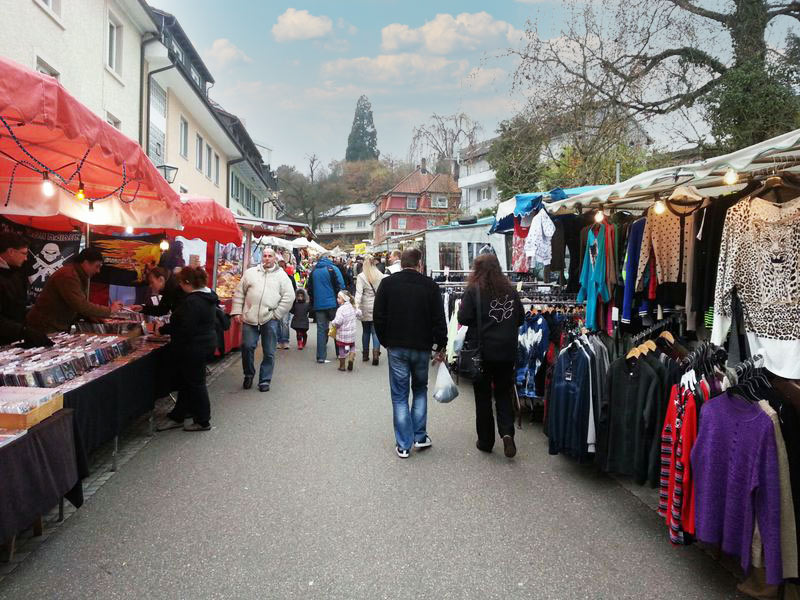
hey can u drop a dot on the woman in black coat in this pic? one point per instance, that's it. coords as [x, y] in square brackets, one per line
[192, 328]
[501, 316]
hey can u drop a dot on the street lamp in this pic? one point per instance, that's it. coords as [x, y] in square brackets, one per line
[169, 172]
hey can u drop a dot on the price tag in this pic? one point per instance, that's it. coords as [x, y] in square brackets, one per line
[615, 313]
[447, 271]
[519, 286]
[568, 375]
[545, 289]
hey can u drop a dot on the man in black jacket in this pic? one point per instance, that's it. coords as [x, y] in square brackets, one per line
[14, 293]
[410, 322]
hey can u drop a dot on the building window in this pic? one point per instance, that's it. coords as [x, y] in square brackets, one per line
[114, 56]
[196, 77]
[485, 193]
[43, 67]
[177, 50]
[113, 121]
[439, 202]
[184, 138]
[401, 223]
[216, 169]
[50, 6]
[361, 224]
[450, 256]
[411, 202]
[208, 161]
[199, 153]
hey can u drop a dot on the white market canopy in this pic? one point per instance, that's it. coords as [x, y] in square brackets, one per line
[781, 153]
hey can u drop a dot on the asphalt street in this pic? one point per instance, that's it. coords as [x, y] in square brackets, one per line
[297, 493]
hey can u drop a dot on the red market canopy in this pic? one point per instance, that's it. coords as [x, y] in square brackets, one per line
[45, 131]
[202, 218]
[208, 220]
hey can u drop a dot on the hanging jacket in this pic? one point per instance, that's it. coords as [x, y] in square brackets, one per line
[593, 275]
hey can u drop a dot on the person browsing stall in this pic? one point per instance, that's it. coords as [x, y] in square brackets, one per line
[262, 299]
[165, 293]
[14, 293]
[64, 297]
[194, 339]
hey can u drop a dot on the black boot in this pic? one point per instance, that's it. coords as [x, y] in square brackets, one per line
[365, 356]
[248, 382]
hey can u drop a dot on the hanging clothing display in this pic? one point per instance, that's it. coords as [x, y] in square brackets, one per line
[593, 275]
[533, 343]
[538, 243]
[760, 259]
[519, 260]
[670, 235]
[737, 484]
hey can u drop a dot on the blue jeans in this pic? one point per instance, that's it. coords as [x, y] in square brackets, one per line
[324, 318]
[283, 329]
[368, 331]
[407, 365]
[268, 332]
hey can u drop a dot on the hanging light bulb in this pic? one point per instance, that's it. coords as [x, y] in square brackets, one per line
[48, 189]
[731, 177]
[659, 207]
[164, 245]
[80, 196]
[599, 215]
[129, 230]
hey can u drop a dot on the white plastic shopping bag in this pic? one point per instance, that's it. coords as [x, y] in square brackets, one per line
[460, 336]
[446, 389]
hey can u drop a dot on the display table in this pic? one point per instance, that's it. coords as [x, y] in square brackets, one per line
[107, 399]
[37, 470]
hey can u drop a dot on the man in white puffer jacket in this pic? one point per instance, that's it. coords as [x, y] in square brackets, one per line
[263, 297]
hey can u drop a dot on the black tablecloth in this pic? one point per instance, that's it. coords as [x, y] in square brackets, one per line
[104, 407]
[37, 470]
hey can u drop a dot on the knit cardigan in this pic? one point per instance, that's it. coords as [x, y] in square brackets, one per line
[737, 483]
[345, 321]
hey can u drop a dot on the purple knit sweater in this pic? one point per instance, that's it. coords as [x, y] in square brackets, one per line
[735, 464]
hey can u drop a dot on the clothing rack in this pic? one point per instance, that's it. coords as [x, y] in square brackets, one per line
[658, 326]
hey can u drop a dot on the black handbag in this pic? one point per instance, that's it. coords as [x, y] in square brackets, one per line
[471, 357]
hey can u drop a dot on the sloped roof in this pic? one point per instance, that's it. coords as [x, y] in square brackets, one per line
[364, 209]
[420, 182]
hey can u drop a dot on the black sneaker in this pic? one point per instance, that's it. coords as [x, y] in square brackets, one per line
[263, 387]
[481, 448]
[426, 443]
[401, 452]
[248, 382]
[509, 447]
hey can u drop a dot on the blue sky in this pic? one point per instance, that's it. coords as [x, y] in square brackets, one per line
[293, 72]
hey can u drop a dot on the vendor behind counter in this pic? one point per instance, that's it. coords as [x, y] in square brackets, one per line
[64, 297]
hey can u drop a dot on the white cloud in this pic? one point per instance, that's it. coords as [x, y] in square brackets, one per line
[447, 33]
[396, 68]
[480, 77]
[300, 25]
[348, 27]
[223, 53]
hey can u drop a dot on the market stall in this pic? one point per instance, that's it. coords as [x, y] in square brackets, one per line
[676, 366]
[62, 169]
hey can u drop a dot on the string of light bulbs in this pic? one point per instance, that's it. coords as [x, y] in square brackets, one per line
[48, 186]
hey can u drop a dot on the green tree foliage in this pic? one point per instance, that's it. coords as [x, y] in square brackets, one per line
[514, 156]
[362, 143]
[573, 169]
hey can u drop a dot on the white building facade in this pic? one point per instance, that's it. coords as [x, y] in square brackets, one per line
[351, 223]
[477, 180]
[93, 48]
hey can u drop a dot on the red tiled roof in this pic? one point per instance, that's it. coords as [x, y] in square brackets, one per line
[419, 182]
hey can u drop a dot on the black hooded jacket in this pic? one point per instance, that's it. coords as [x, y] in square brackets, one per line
[192, 324]
[171, 296]
[13, 296]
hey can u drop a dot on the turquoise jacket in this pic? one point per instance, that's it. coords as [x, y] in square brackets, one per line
[593, 275]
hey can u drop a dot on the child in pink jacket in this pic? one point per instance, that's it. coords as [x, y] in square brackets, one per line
[347, 316]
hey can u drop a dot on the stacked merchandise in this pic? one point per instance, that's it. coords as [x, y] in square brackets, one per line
[21, 402]
[70, 357]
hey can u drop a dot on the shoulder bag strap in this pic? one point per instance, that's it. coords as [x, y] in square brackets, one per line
[479, 310]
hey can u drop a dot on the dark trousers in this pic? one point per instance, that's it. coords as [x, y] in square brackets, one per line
[192, 391]
[500, 376]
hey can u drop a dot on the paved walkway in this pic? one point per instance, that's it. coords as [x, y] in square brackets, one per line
[297, 493]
